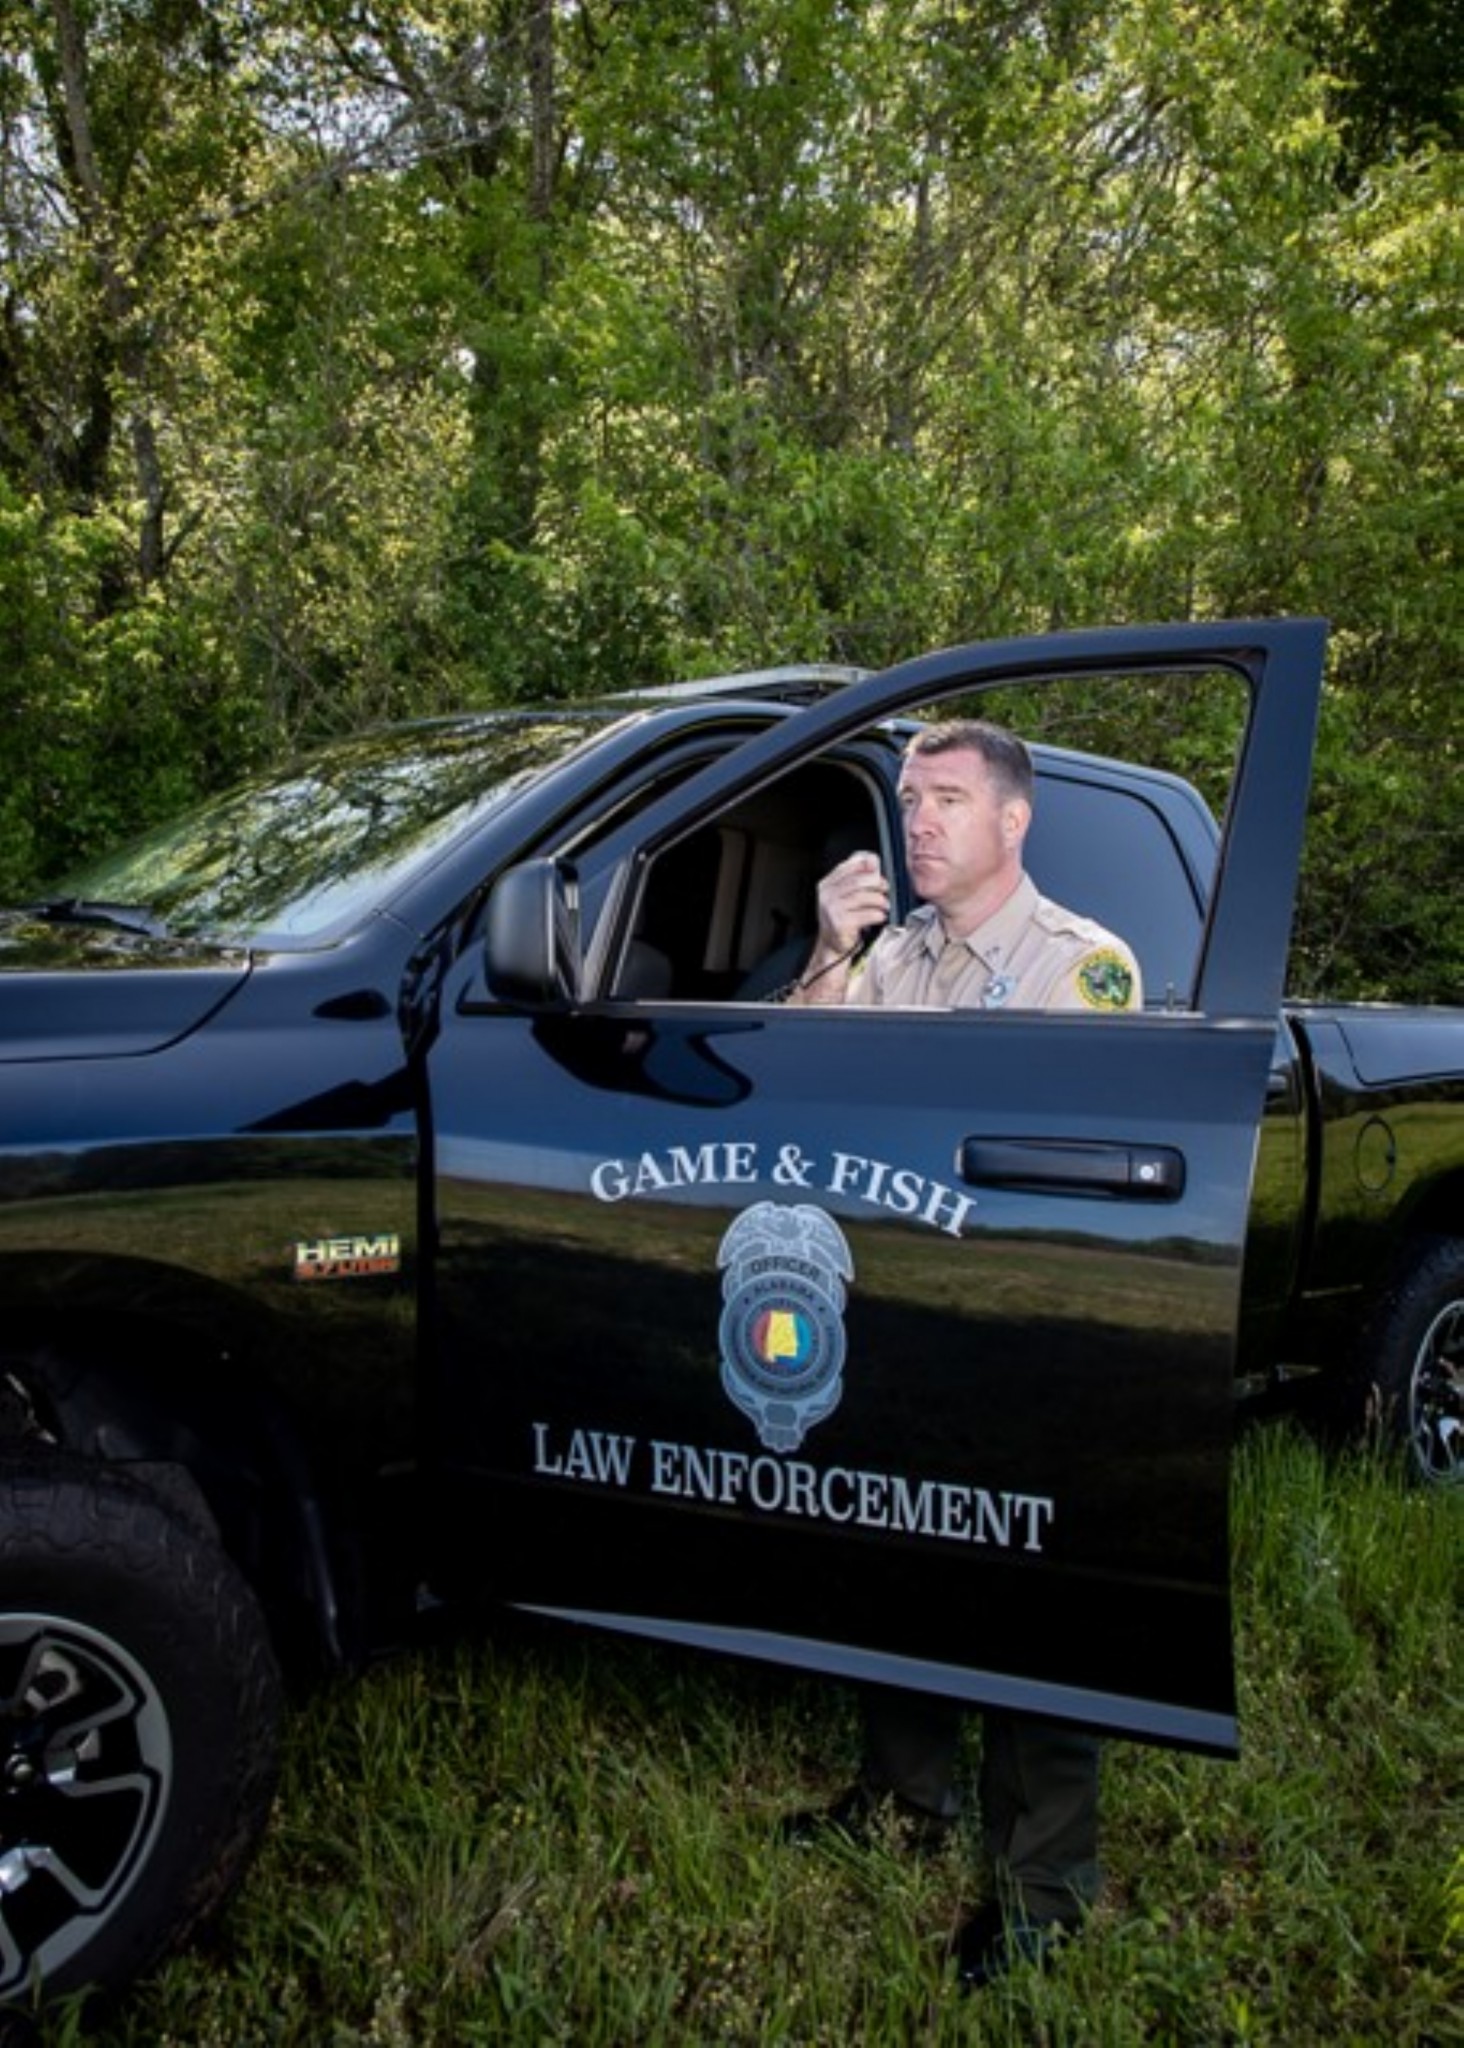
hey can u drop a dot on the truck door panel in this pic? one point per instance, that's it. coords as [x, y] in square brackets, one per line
[734, 1351]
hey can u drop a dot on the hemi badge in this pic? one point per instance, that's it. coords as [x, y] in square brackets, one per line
[347, 1258]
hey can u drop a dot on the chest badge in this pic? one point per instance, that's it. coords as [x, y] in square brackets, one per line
[782, 1328]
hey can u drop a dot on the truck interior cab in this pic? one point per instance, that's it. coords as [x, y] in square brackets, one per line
[728, 914]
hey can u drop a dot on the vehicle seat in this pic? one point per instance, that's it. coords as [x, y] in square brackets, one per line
[645, 974]
[779, 967]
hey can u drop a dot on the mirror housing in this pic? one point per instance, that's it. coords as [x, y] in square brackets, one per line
[531, 936]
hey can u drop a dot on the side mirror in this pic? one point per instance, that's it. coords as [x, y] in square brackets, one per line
[531, 936]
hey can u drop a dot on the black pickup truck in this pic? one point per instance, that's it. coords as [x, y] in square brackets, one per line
[413, 1191]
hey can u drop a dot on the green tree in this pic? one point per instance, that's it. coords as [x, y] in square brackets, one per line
[1396, 75]
[359, 356]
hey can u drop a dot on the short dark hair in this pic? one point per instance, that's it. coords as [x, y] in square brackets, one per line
[1007, 759]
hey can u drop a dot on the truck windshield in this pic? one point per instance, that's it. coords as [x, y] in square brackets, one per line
[302, 852]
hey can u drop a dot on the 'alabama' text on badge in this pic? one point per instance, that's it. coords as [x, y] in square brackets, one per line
[782, 1328]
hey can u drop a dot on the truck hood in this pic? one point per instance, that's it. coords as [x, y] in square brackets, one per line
[87, 992]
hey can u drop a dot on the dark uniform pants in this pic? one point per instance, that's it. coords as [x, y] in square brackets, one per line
[1038, 1791]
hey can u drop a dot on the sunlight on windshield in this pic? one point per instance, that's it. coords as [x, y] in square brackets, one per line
[298, 853]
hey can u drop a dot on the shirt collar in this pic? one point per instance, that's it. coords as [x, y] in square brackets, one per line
[993, 940]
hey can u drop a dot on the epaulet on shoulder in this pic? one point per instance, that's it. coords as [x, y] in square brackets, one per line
[1065, 924]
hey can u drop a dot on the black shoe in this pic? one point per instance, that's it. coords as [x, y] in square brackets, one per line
[992, 1942]
[865, 1819]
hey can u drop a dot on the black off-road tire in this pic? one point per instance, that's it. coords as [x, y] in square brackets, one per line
[139, 1726]
[1408, 1375]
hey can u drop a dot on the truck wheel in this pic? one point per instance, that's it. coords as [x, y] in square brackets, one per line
[1411, 1362]
[139, 1726]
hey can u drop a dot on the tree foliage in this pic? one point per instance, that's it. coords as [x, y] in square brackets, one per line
[359, 357]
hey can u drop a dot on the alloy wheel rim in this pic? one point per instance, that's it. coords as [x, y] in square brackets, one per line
[86, 1768]
[1436, 1399]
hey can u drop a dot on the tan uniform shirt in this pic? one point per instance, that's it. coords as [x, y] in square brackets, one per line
[1029, 955]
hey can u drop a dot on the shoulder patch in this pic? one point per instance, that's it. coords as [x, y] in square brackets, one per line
[1105, 980]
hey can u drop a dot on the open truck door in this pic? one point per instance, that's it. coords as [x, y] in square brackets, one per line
[895, 1344]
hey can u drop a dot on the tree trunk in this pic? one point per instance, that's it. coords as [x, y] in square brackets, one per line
[121, 343]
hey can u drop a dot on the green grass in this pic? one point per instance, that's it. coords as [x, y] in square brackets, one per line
[563, 1838]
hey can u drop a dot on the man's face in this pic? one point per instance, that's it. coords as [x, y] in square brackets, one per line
[963, 842]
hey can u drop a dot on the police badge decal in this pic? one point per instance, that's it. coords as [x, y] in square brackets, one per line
[782, 1330]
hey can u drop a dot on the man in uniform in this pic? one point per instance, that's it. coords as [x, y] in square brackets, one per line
[983, 938]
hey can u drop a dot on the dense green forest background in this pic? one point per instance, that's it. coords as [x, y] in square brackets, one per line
[361, 358]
